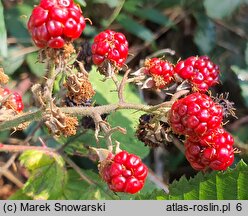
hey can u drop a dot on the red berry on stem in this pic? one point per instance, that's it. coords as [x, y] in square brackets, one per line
[124, 173]
[214, 150]
[110, 45]
[13, 100]
[53, 23]
[162, 71]
[195, 114]
[200, 71]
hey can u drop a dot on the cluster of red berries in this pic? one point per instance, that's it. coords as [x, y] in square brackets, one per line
[110, 45]
[123, 172]
[195, 114]
[200, 72]
[11, 100]
[54, 22]
[213, 150]
[199, 119]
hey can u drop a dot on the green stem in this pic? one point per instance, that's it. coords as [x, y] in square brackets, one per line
[51, 69]
[34, 116]
[77, 111]
[22, 148]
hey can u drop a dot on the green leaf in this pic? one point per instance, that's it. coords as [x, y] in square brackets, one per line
[205, 35]
[77, 189]
[227, 185]
[48, 175]
[110, 3]
[153, 15]
[3, 34]
[19, 195]
[127, 119]
[16, 22]
[246, 54]
[220, 9]
[168, 3]
[37, 68]
[243, 80]
[13, 61]
[81, 2]
[135, 28]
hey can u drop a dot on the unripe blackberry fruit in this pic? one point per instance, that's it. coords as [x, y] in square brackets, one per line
[215, 150]
[199, 71]
[161, 71]
[111, 46]
[124, 172]
[13, 100]
[55, 22]
[194, 115]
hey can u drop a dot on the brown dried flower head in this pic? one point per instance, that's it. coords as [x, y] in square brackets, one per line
[60, 124]
[79, 88]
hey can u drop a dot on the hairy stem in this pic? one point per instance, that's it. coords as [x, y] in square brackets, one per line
[21, 148]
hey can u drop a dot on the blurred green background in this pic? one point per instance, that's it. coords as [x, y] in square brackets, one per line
[218, 29]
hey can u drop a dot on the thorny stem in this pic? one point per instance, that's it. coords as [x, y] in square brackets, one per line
[73, 111]
[122, 86]
[49, 82]
[21, 148]
[90, 111]
[105, 128]
[177, 143]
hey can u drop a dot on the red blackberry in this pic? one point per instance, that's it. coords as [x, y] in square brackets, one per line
[215, 150]
[195, 115]
[161, 71]
[200, 71]
[110, 45]
[124, 172]
[14, 101]
[55, 22]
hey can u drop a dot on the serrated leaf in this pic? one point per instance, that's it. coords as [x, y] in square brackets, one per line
[205, 35]
[77, 189]
[127, 119]
[48, 175]
[227, 185]
[3, 34]
[135, 28]
[220, 9]
[37, 68]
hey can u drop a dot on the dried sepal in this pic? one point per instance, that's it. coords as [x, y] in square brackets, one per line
[59, 123]
[59, 56]
[4, 79]
[152, 132]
